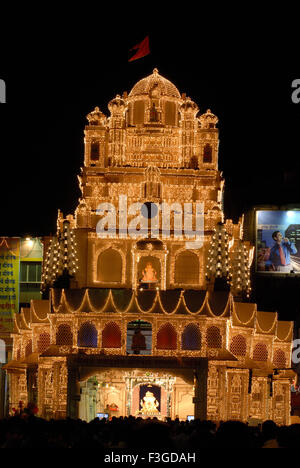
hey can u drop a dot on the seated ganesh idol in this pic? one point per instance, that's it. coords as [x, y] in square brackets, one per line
[149, 405]
[149, 274]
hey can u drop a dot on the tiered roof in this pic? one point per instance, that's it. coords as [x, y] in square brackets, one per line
[192, 303]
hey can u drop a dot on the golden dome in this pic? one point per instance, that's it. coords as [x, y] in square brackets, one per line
[145, 85]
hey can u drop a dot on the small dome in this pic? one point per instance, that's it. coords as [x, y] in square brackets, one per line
[189, 106]
[96, 117]
[153, 81]
[116, 104]
[208, 119]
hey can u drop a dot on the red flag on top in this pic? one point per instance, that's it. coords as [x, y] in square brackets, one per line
[143, 49]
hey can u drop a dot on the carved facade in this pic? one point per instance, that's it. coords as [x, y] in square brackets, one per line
[135, 261]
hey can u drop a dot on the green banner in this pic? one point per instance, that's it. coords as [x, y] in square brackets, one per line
[9, 281]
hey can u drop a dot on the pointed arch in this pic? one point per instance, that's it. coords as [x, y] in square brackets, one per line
[109, 266]
[260, 352]
[191, 337]
[186, 268]
[87, 335]
[111, 336]
[64, 335]
[279, 359]
[213, 338]
[166, 337]
[238, 345]
[43, 342]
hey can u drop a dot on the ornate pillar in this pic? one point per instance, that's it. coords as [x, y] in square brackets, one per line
[17, 390]
[258, 399]
[46, 390]
[215, 383]
[60, 389]
[281, 400]
[237, 394]
[200, 398]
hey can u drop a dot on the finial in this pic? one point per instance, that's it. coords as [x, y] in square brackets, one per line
[155, 71]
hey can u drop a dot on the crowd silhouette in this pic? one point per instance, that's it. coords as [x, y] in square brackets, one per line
[30, 431]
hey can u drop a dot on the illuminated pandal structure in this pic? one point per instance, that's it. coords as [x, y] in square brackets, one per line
[208, 349]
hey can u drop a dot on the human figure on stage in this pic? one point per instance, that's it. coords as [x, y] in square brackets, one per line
[138, 342]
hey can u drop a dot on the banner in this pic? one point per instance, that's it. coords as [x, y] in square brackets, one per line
[9, 281]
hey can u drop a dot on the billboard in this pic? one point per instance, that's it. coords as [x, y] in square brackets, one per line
[278, 241]
[9, 281]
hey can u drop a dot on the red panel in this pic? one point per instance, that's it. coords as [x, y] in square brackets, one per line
[166, 337]
[111, 336]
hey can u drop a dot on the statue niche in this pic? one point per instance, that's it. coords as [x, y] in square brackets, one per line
[150, 396]
[149, 272]
[149, 275]
[149, 404]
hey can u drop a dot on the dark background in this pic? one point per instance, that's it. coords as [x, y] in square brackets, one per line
[58, 69]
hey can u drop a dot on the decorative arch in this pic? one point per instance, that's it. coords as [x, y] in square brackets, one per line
[260, 352]
[166, 337]
[238, 345]
[87, 335]
[279, 359]
[207, 153]
[64, 335]
[191, 337]
[43, 342]
[109, 264]
[213, 337]
[186, 267]
[111, 336]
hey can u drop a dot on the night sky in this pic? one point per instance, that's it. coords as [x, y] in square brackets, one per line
[57, 72]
